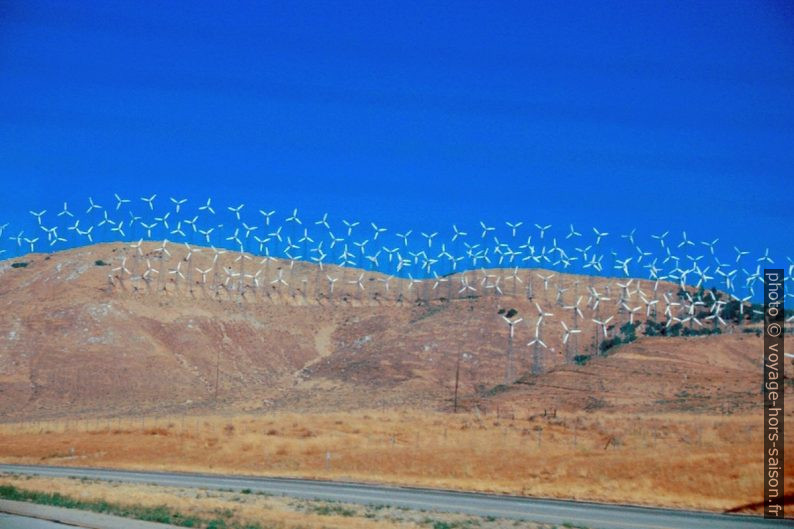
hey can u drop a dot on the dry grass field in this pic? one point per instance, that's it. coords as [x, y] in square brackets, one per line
[681, 460]
[248, 510]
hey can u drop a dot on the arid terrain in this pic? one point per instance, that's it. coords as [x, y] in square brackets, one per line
[261, 376]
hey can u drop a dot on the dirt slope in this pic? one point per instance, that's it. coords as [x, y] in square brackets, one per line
[80, 336]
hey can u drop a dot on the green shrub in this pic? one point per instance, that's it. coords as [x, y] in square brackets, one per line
[581, 360]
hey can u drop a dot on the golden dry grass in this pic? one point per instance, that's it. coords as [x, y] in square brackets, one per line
[694, 461]
[243, 509]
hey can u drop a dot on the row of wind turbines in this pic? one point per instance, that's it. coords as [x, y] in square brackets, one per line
[406, 253]
[242, 253]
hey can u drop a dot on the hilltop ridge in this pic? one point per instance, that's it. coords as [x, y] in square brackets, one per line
[89, 331]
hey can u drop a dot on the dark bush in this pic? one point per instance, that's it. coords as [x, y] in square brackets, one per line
[581, 360]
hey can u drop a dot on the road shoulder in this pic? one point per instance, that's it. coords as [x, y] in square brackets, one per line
[85, 519]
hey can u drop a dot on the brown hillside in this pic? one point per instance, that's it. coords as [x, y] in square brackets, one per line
[78, 336]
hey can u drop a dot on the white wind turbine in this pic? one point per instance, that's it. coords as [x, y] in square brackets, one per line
[545, 280]
[632, 311]
[624, 291]
[32, 243]
[178, 203]
[105, 220]
[235, 237]
[331, 282]
[465, 286]
[740, 253]
[511, 323]
[120, 201]
[236, 210]
[516, 280]
[177, 273]
[603, 324]
[267, 215]
[642, 254]
[629, 236]
[92, 205]
[55, 240]
[429, 237]
[64, 211]
[567, 332]
[661, 237]
[294, 217]
[599, 235]
[359, 283]
[650, 305]
[52, 233]
[189, 260]
[150, 201]
[457, 233]
[133, 219]
[404, 236]
[715, 315]
[204, 274]
[710, 245]
[207, 207]
[385, 280]
[149, 271]
[38, 215]
[19, 237]
[573, 233]
[542, 229]
[577, 313]
[350, 226]
[248, 229]
[242, 258]
[178, 229]
[87, 233]
[685, 241]
[566, 336]
[122, 269]
[377, 231]
[597, 298]
[216, 253]
[690, 314]
[207, 233]
[262, 241]
[765, 257]
[148, 228]
[514, 226]
[323, 222]
[119, 228]
[255, 280]
[279, 280]
[437, 281]
[163, 251]
[485, 229]
[538, 340]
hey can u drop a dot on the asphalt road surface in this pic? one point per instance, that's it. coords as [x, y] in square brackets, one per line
[12, 521]
[590, 515]
[24, 515]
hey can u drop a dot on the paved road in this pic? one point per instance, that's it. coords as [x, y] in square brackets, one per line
[591, 515]
[23, 515]
[11, 521]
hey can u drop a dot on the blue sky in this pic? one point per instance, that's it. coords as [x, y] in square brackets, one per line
[653, 115]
